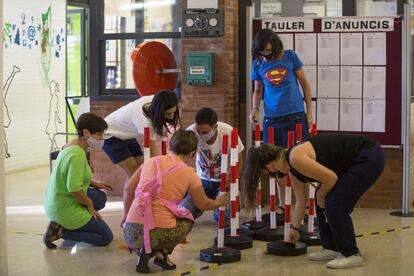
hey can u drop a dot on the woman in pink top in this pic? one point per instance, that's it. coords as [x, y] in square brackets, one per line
[154, 223]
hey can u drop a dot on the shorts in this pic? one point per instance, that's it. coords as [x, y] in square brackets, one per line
[118, 150]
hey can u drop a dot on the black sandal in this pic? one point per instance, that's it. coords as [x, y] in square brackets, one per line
[142, 265]
[52, 234]
[163, 262]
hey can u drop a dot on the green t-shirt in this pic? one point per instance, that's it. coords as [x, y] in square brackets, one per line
[71, 173]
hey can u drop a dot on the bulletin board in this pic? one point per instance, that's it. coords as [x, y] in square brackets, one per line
[354, 66]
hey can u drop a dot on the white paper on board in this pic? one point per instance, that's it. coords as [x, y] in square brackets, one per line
[373, 115]
[327, 114]
[350, 116]
[351, 82]
[351, 48]
[287, 40]
[374, 82]
[328, 49]
[328, 81]
[305, 47]
[375, 49]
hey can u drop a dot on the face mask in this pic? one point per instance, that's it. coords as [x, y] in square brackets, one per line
[95, 143]
[268, 57]
[206, 137]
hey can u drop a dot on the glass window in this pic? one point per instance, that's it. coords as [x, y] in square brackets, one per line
[119, 64]
[376, 8]
[270, 8]
[133, 16]
[314, 8]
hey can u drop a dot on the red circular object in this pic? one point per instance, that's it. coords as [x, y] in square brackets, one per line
[148, 58]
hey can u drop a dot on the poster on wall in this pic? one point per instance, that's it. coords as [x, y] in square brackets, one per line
[34, 76]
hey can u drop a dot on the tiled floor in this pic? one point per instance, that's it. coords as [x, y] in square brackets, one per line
[385, 254]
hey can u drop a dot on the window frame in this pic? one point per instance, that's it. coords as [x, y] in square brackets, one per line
[97, 56]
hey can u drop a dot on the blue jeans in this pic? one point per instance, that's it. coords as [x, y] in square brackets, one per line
[212, 189]
[335, 223]
[96, 231]
[284, 124]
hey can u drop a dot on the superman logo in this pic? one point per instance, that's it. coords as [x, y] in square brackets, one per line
[276, 75]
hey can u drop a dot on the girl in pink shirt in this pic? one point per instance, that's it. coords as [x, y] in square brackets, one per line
[154, 223]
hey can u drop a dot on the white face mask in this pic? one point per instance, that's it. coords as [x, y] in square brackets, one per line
[206, 137]
[94, 143]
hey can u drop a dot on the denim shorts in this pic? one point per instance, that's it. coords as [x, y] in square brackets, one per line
[118, 150]
[284, 124]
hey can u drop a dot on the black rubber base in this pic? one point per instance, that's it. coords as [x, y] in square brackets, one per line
[315, 220]
[268, 234]
[400, 214]
[281, 248]
[237, 242]
[253, 225]
[280, 219]
[240, 231]
[310, 239]
[304, 228]
[220, 255]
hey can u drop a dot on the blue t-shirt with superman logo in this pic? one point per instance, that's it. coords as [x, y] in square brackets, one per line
[282, 95]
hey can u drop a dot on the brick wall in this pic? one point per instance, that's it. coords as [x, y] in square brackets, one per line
[387, 191]
[103, 168]
[222, 96]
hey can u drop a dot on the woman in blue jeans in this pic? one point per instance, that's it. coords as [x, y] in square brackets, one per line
[277, 74]
[72, 198]
[344, 165]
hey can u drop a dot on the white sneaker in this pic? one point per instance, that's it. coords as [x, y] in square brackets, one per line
[324, 255]
[346, 262]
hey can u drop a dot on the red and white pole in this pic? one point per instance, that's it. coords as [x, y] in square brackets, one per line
[288, 194]
[233, 188]
[223, 179]
[259, 185]
[298, 133]
[235, 151]
[272, 183]
[299, 139]
[311, 217]
[163, 145]
[147, 154]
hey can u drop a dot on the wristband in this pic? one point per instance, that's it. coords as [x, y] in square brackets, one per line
[256, 108]
[294, 228]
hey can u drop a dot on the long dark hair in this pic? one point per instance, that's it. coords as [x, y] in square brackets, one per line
[262, 38]
[162, 101]
[257, 159]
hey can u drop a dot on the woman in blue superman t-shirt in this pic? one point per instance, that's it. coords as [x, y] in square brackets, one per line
[279, 72]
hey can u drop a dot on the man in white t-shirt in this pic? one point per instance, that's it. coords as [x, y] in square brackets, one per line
[208, 157]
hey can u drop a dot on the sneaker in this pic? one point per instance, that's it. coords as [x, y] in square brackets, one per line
[324, 255]
[346, 262]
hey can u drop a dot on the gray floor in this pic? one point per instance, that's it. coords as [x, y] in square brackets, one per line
[384, 254]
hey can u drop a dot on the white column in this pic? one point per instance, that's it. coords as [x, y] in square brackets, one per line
[3, 241]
